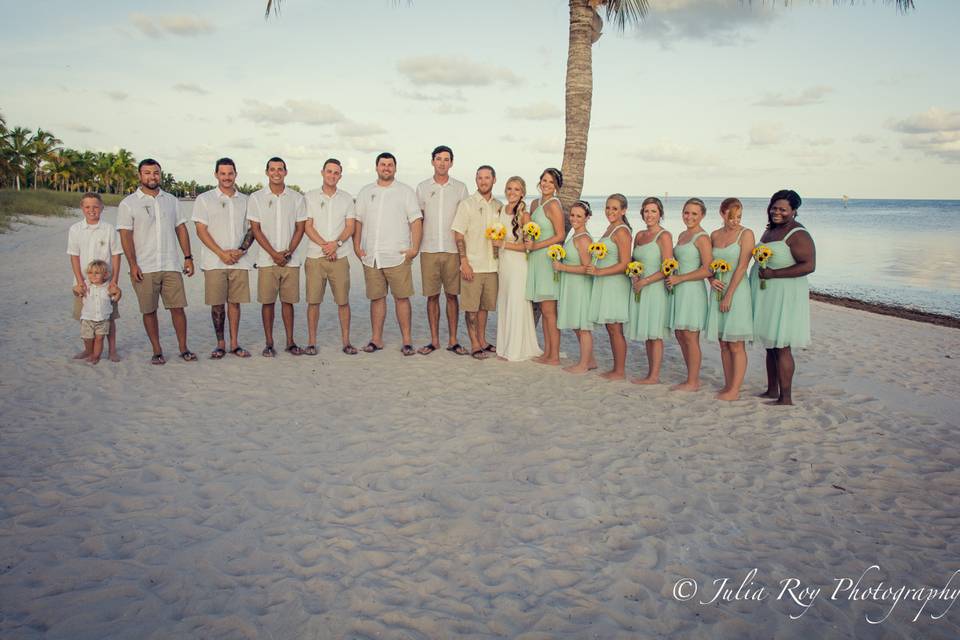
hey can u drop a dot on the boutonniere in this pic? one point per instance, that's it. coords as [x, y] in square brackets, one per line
[148, 209]
[373, 197]
[433, 193]
[270, 203]
[323, 203]
[223, 205]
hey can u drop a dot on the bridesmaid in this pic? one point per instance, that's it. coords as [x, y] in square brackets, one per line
[781, 317]
[573, 308]
[688, 308]
[730, 318]
[541, 287]
[611, 288]
[648, 317]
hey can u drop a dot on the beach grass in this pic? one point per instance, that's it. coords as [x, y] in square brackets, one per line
[40, 202]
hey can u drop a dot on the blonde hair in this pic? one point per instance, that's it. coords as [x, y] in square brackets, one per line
[521, 206]
[98, 266]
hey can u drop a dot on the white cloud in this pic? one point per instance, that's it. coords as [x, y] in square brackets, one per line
[117, 95]
[818, 142]
[673, 153]
[351, 129]
[455, 71]
[535, 111]
[864, 139]
[309, 112]
[448, 109]
[930, 121]
[178, 25]
[811, 95]
[79, 128]
[189, 87]
[434, 96]
[764, 134]
[716, 22]
[549, 146]
[935, 132]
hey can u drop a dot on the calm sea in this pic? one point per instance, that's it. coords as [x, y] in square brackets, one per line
[902, 252]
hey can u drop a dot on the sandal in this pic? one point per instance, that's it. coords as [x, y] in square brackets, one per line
[427, 349]
[294, 350]
[240, 352]
[350, 350]
[158, 359]
[269, 351]
[188, 356]
[480, 354]
[310, 350]
[407, 350]
[218, 353]
[492, 348]
[371, 347]
[457, 349]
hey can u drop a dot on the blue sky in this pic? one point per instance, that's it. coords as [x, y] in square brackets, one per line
[708, 97]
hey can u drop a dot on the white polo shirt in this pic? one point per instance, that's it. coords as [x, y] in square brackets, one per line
[97, 305]
[278, 217]
[93, 242]
[386, 214]
[329, 215]
[226, 220]
[154, 223]
[474, 215]
[439, 205]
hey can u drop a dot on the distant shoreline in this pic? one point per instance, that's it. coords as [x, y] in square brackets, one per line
[887, 309]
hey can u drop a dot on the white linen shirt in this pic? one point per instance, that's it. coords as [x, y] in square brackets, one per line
[226, 220]
[329, 215]
[154, 223]
[474, 215]
[438, 202]
[97, 305]
[386, 214]
[278, 217]
[93, 242]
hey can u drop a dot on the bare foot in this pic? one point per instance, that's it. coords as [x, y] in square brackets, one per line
[552, 362]
[592, 365]
[93, 360]
[647, 380]
[612, 375]
[114, 357]
[83, 355]
[768, 394]
[501, 358]
[576, 368]
[686, 386]
[728, 396]
[780, 402]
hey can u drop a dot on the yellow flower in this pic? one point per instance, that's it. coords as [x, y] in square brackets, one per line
[635, 268]
[598, 250]
[496, 232]
[556, 252]
[532, 230]
[720, 266]
[762, 253]
[669, 266]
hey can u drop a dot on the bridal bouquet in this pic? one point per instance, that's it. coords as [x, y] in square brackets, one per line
[495, 233]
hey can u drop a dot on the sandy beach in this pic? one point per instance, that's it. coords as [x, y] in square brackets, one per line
[377, 496]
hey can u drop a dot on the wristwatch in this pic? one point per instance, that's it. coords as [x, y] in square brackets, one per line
[190, 257]
[339, 243]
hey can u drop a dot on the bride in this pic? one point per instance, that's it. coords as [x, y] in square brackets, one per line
[516, 334]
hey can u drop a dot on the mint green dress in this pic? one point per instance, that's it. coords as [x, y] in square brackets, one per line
[540, 283]
[735, 325]
[781, 312]
[610, 297]
[688, 307]
[573, 308]
[648, 318]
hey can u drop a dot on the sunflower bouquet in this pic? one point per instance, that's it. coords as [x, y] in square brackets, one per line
[720, 267]
[531, 230]
[635, 269]
[667, 267]
[556, 253]
[495, 233]
[598, 250]
[762, 253]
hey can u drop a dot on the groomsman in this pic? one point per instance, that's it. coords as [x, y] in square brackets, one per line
[277, 217]
[439, 263]
[330, 225]
[387, 239]
[151, 226]
[478, 264]
[220, 216]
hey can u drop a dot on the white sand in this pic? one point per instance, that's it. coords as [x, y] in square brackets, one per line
[378, 496]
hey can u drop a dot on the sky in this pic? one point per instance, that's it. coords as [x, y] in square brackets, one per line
[706, 97]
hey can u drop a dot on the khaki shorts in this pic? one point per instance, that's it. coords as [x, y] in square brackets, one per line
[399, 279]
[221, 286]
[160, 284]
[78, 306]
[282, 280]
[437, 269]
[319, 271]
[479, 293]
[91, 328]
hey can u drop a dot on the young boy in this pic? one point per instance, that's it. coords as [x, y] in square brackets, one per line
[88, 240]
[97, 308]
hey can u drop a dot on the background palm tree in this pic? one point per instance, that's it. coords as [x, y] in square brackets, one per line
[17, 148]
[43, 148]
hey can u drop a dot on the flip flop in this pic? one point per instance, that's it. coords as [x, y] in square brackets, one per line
[457, 349]
[492, 348]
[349, 349]
[269, 351]
[371, 347]
[427, 349]
[480, 354]
[407, 350]
[218, 353]
[310, 350]
[240, 352]
[188, 356]
[158, 359]
[294, 350]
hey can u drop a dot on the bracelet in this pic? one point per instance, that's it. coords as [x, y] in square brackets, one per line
[190, 257]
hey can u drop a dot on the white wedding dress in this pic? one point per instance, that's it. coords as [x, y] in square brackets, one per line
[516, 333]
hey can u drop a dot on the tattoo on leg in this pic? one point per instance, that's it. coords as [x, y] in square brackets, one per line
[219, 314]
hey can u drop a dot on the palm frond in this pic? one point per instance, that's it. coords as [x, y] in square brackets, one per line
[272, 4]
[902, 5]
[624, 13]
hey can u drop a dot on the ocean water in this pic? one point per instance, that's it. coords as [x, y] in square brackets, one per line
[901, 252]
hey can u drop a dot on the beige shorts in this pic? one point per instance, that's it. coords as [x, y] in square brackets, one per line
[399, 279]
[319, 271]
[479, 293]
[78, 306]
[91, 328]
[282, 280]
[221, 286]
[160, 284]
[437, 269]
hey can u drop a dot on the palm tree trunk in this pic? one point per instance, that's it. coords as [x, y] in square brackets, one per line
[579, 93]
